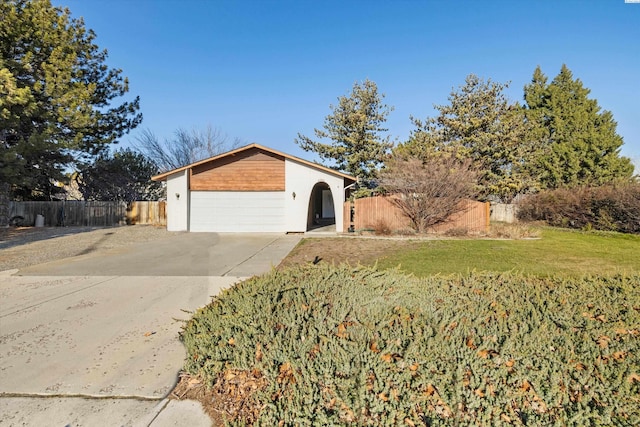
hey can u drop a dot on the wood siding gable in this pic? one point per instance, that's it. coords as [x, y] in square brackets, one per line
[250, 170]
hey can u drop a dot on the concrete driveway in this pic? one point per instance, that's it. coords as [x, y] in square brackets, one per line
[183, 254]
[96, 335]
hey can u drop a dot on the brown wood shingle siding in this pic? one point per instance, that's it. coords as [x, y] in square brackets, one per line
[251, 170]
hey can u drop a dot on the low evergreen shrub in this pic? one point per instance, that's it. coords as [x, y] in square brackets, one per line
[356, 346]
[608, 208]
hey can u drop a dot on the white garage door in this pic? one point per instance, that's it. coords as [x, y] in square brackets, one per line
[230, 211]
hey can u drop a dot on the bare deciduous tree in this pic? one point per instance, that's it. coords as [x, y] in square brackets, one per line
[429, 191]
[185, 147]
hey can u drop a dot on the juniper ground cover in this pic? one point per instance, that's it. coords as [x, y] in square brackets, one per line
[328, 345]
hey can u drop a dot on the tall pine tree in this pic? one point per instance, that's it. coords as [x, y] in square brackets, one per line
[481, 124]
[580, 145]
[358, 144]
[59, 101]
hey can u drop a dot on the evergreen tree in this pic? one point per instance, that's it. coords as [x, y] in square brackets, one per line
[355, 127]
[57, 104]
[481, 124]
[123, 176]
[580, 145]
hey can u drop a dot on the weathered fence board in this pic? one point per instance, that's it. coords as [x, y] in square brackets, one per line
[374, 212]
[148, 213]
[502, 212]
[83, 213]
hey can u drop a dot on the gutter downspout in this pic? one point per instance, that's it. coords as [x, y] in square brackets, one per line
[349, 186]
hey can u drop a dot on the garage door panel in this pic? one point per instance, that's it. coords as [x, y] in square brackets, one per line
[237, 211]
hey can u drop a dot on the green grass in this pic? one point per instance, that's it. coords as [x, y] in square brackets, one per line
[557, 252]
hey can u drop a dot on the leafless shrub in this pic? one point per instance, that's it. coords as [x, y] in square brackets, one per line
[609, 207]
[382, 228]
[513, 231]
[457, 232]
[430, 191]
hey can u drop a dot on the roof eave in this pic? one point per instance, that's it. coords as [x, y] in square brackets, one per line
[164, 175]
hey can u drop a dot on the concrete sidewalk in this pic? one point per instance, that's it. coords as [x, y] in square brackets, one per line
[81, 349]
[78, 411]
[90, 349]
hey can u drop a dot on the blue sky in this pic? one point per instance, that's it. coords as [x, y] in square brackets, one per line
[263, 71]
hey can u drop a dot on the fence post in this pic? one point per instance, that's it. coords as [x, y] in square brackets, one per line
[487, 215]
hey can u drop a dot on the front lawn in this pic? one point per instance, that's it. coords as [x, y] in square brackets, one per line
[557, 252]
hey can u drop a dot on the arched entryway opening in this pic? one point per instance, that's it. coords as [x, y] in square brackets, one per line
[321, 212]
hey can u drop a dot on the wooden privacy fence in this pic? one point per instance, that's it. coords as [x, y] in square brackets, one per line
[370, 213]
[151, 213]
[83, 213]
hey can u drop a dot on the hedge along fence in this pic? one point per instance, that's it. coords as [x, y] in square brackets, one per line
[345, 346]
[370, 213]
[610, 207]
[84, 213]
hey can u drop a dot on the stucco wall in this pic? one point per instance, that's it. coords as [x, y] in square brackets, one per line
[178, 201]
[300, 179]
